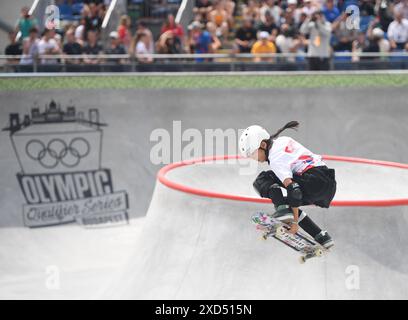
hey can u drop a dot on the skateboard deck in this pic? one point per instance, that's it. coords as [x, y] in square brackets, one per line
[301, 242]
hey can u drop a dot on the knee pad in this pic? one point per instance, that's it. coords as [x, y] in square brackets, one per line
[267, 186]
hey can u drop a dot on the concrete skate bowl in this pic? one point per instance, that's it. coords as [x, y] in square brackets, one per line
[352, 120]
[198, 243]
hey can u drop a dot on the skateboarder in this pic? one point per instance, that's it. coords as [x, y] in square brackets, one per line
[302, 173]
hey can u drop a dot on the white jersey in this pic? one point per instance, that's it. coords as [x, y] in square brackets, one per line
[288, 157]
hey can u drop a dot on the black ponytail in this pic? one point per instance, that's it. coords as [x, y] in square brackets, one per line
[290, 125]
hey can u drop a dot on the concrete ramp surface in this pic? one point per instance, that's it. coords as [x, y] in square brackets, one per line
[195, 247]
[64, 262]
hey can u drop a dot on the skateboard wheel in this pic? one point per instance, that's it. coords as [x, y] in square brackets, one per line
[318, 252]
[280, 231]
[302, 259]
[263, 237]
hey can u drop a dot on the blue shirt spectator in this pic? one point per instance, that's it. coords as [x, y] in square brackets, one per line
[203, 42]
[330, 11]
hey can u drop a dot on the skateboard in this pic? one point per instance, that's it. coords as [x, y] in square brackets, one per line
[301, 242]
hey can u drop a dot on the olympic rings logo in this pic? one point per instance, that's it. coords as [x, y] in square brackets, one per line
[58, 151]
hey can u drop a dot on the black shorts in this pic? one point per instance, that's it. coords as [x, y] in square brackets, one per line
[318, 186]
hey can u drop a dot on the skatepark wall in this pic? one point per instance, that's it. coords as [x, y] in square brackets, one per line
[346, 122]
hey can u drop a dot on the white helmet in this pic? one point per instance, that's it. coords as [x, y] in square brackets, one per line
[251, 139]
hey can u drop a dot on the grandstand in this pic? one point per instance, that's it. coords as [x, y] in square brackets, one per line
[208, 35]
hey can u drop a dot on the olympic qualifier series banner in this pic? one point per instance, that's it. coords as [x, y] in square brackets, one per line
[61, 177]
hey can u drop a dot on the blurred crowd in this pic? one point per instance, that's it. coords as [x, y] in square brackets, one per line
[318, 27]
[81, 36]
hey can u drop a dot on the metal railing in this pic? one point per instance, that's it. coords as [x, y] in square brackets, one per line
[181, 56]
[116, 9]
[108, 14]
[225, 61]
[185, 13]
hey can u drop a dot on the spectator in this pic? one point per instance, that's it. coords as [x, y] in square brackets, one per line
[377, 43]
[366, 6]
[343, 33]
[375, 32]
[302, 19]
[72, 47]
[398, 32]
[251, 11]
[26, 23]
[365, 18]
[374, 23]
[168, 44]
[30, 47]
[93, 19]
[80, 32]
[215, 43]
[245, 37]
[171, 25]
[319, 31]
[48, 45]
[142, 48]
[359, 44]
[269, 26]
[229, 7]
[274, 10]
[92, 47]
[218, 20]
[287, 42]
[384, 14]
[292, 5]
[383, 44]
[403, 8]
[115, 47]
[288, 17]
[203, 8]
[262, 46]
[330, 11]
[197, 18]
[374, 44]
[142, 29]
[308, 8]
[13, 49]
[57, 37]
[201, 41]
[124, 31]
[102, 10]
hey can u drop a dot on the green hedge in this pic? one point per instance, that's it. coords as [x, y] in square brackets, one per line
[204, 81]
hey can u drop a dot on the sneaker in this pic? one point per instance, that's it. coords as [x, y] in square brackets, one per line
[282, 213]
[324, 239]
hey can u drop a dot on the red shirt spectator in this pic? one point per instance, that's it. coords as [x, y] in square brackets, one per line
[124, 31]
[171, 25]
